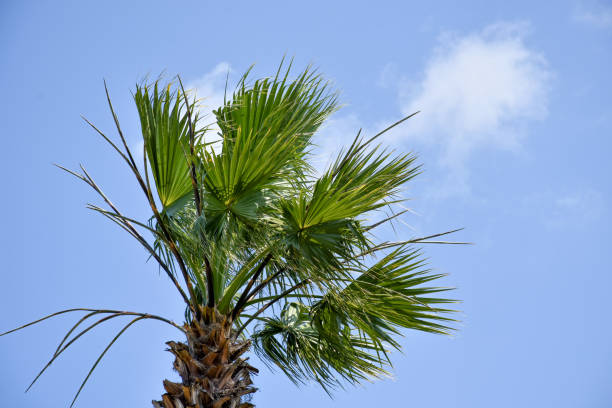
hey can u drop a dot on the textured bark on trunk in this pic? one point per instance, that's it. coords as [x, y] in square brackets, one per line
[212, 372]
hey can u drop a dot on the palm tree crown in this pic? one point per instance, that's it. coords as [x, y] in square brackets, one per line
[258, 243]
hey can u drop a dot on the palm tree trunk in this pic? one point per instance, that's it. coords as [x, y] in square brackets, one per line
[212, 372]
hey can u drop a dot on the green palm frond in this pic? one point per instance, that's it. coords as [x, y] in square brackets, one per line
[164, 124]
[277, 108]
[387, 297]
[293, 343]
[265, 130]
[323, 224]
[346, 333]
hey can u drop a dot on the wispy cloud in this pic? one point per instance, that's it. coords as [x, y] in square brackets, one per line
[595, 15]
[210, 90]
[574, 209]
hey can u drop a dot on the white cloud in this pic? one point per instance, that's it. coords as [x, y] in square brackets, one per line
[210, 90]
[595, 15]
[477, 91]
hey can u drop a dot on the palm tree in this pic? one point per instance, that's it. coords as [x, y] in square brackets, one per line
[265, 252]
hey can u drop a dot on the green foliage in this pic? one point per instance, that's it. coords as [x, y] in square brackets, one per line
[265, 130]
[348, 331]
[289, 254]
[302, 350]
[165, 131]
[247, 227]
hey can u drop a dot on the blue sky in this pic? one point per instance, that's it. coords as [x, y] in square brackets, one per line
[514, 134]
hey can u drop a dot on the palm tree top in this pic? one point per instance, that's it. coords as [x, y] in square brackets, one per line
[250, 235]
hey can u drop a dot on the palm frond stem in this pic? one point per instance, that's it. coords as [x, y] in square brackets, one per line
[245, 293]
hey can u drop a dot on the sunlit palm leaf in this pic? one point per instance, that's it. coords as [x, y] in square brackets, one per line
[165, 131]
[323, 224]
[266, 128]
